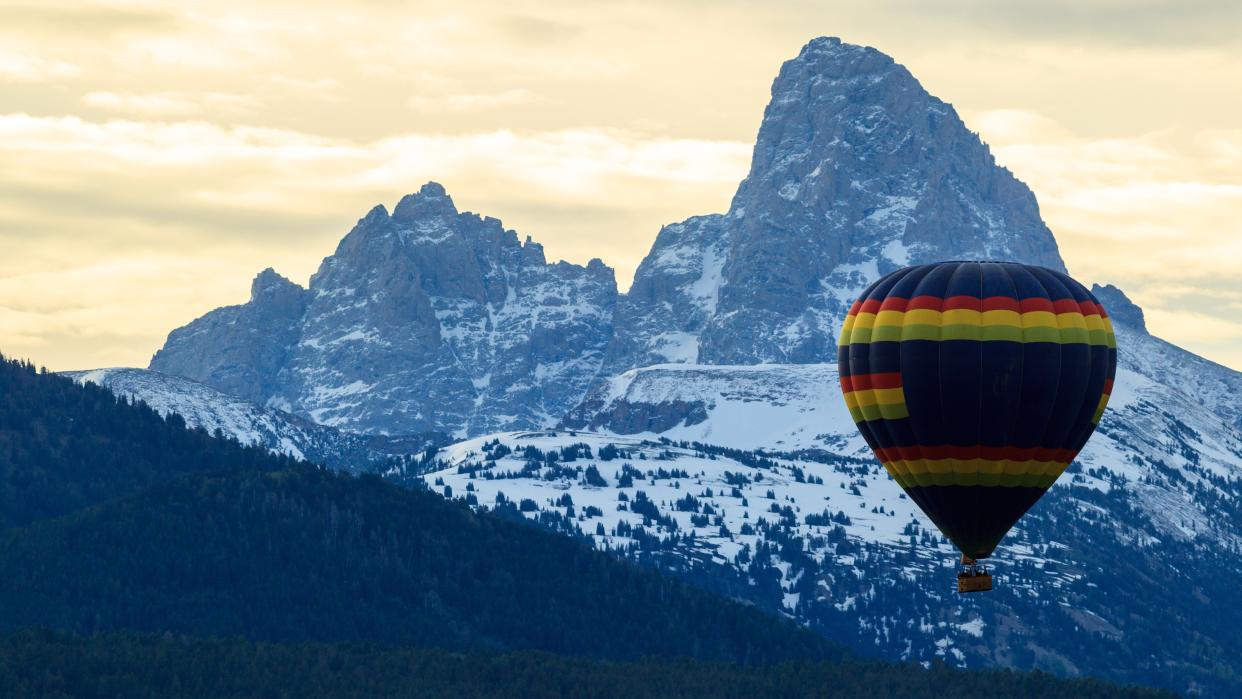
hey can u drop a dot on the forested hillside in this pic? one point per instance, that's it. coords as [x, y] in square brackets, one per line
[308, 555]
[64, 446]
[55, 665]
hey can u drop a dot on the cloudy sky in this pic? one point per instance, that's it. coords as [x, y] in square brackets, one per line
[155, 156]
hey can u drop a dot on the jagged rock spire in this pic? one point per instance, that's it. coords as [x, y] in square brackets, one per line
[856, 171]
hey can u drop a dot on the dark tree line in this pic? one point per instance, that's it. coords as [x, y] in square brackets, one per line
[56, 666]
[64, 447]
[305, 554]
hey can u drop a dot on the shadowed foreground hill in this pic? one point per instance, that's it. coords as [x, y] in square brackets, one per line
[53, 665]
[308, 555]
[133, 522]
[64, 446]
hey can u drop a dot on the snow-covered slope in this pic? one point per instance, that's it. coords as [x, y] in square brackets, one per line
[1168, 407]
[206, 408]
[1140, 535]
[738, 498]
[786, 407]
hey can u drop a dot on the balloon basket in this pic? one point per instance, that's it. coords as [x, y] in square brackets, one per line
[973, 578]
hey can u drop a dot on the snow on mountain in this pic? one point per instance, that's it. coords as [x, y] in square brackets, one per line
[786, 407]
[425, 319]
[1144, 531]
[204, 407]
[433, 319]
[856, 171]
[481, 467]
[1149, 425]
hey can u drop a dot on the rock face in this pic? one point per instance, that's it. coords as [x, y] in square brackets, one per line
[1120, 307]
[433, 320]
[427, 319]
[857, 171]
[240, 349]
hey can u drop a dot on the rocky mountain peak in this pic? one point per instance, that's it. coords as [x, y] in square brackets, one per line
[851, 138]
[431, 318]
[270, 285]
[425, 320]
[430, 201]
[1119, 306]
[856, 171]
[599, 267]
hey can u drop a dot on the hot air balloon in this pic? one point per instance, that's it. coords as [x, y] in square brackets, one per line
[976, 384]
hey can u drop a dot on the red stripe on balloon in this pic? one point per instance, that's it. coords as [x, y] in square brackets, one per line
[1029, 305]
[867, 382]
[1001, 303]
[970, 303]
[925, 302]
[944, 451]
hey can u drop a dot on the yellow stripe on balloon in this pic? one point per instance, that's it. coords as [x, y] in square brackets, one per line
[1006, 467]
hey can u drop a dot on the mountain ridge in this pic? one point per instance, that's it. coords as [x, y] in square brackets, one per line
[426, 318]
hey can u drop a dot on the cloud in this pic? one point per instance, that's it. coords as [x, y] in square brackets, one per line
[1139, 23]
[19, 67]
[535, 29]
[470, 102]
[570, 159]
[1142, 212]
[1014, 125]
[83, 18]
[172, 104]
[163, 220]
[321, 88]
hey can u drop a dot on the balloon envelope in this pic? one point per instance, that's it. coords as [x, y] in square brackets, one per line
[976, 384]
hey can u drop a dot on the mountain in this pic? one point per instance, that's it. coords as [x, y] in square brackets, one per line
[430, 319]
[857, 171]
[423, 320]
[203, 407]
[240, 349]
